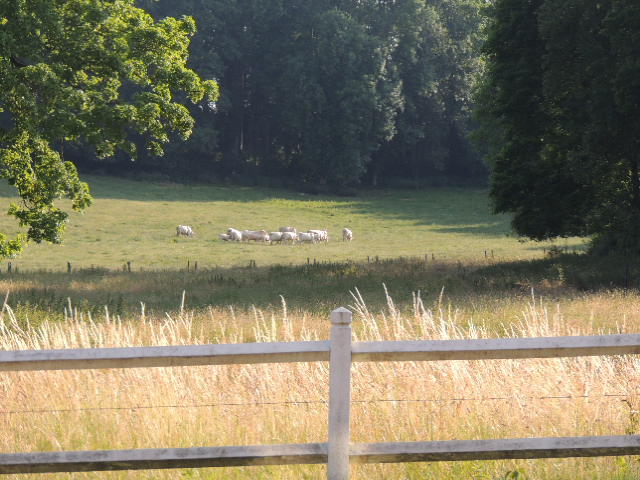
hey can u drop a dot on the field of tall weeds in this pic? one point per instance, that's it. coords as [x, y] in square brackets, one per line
[394, 401]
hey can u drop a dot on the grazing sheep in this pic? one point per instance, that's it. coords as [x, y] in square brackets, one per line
[347, 235]
[255, 235]
[289, 237]
[225, 237]
[288, 229]
[321, 235]
[234, 235]
[307, 237]
[184, 230]
[276, 237]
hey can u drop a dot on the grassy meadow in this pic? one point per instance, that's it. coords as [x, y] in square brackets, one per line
[411, 240]
[397, 293]
[135, 222]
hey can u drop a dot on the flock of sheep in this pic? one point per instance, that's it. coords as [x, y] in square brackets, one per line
[283, 235]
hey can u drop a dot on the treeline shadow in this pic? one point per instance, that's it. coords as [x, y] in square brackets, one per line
[449, 209]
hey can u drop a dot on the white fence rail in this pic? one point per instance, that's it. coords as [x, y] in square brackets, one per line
[338, 453]
[318, 351]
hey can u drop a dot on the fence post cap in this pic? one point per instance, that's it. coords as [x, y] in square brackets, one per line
[341, 316]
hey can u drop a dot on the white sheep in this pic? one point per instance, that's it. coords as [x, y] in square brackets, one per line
[184, 230]
[234, 235]
[276, 236]
[307, 237]
[255, 235]
[321, 235]
[289, 237]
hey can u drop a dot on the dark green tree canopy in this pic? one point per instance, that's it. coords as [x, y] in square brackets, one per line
[560, 103]
[319, 93]
[83, 71]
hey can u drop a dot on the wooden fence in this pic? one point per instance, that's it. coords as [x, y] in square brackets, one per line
[337, 452]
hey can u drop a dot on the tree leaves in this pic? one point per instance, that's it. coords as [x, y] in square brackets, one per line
[561, 91]
[85, 71]
[325, 92]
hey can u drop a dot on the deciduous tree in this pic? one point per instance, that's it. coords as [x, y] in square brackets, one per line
[83, 71]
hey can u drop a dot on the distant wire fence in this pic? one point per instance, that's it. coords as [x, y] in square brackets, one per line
[195, 266]
[337, 452]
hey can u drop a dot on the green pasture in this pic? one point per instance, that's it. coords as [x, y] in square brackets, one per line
[409, 240]
[135, 222]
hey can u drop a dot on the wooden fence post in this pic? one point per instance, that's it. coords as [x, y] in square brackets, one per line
[339, 395]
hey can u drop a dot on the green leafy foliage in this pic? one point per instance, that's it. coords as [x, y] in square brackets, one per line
[81, 71]
[326, 94]
[561, 96]
[438, 63]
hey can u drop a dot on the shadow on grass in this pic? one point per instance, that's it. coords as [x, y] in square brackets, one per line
[458, 210]
[120, 189]
[318, 288]
[144, 191]
[489, 229]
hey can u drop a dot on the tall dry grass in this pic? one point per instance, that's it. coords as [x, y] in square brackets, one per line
[259, 404]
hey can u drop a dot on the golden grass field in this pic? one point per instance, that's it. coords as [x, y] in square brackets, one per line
[412, 401]
[517, 293]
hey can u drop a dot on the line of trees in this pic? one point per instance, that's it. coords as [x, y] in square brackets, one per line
[327, 92]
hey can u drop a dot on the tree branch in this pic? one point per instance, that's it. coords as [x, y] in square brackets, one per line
[17, 63]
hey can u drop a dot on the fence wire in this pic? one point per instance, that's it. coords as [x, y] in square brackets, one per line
[321, 402]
